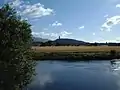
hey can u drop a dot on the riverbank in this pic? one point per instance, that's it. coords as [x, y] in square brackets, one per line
[76, 53]
[75, 56]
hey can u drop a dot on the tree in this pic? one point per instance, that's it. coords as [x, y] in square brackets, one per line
[16, 64]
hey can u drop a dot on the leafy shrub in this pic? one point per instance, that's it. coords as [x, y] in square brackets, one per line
[16, 64]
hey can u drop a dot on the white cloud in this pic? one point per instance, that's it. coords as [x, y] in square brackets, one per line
[118, 39]
[40, 34]
[56, 23]
[63, 34]
[24, 18]
[16, 3]
[81, 27]
[94, 34]
[102, 40]
[31, 10]
[36, 10]
[106, 15]
[110, 22]
[118, 6]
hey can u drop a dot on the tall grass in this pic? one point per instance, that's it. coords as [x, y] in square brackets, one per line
[76, 49]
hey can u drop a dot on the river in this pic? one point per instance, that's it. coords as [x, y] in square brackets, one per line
[93, 75]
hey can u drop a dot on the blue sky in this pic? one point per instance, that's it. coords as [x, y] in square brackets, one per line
[89, 20]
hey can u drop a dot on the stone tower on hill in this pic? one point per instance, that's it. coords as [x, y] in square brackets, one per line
[59, 37]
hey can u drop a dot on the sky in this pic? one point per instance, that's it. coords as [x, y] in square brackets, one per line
[87, 20]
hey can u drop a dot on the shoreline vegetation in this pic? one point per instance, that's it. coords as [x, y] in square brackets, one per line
[76, 53]
[17, 67]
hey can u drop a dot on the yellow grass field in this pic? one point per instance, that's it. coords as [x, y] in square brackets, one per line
[76, 48]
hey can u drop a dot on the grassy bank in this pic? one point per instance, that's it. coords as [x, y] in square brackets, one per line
[71, 53]
[75, 56]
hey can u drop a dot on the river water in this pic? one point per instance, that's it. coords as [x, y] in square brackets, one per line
[94, 75]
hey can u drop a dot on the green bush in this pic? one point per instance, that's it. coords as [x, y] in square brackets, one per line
[16, 64]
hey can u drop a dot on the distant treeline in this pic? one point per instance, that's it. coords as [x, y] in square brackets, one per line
[52, 43]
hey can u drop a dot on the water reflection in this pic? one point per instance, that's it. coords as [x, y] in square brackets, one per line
[95, 75]
[115, 65]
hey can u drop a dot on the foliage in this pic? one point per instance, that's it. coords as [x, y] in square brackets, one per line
[75, 56]
[16, 64]
[113, 53]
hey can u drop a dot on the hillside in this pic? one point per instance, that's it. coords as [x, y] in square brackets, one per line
[69, 42]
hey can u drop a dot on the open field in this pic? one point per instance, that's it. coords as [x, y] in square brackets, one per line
[76, 48]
